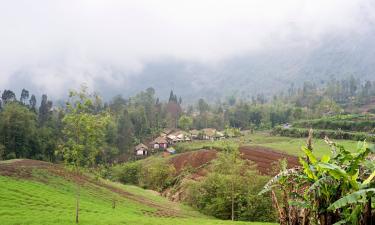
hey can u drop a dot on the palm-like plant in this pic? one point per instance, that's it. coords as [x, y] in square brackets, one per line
[335, 189]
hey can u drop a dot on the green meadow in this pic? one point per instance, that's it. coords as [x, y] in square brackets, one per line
[45, 198]
[288, 145]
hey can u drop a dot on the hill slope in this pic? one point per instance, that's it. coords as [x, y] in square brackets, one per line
[34, 192]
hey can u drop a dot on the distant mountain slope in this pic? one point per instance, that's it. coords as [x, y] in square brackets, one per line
[267, 71]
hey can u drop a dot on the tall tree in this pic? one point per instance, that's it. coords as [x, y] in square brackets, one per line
[24, 96]
[32, 103]
[18, 131]
[125, 135]
[83, 134]
[8, 96]
[185, 122]
[44, 110]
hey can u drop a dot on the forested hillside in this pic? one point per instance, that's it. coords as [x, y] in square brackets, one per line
[36, 130]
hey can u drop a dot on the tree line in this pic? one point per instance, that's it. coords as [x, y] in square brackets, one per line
[31, 130]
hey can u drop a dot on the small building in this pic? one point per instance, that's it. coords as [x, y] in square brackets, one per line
[141, 150]
[194, 134]
[165, 132]
[172, 139]
[178, 136]
[208, 133]
[219, 135]
[159, 143]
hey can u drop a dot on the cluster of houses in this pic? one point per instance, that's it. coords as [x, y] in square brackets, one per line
[168, 138]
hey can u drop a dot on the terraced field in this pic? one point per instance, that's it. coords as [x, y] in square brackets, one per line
[263, 157]
[34, 192]
[288, 145]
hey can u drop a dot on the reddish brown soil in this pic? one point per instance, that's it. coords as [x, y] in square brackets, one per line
[23, 169]
[264, 158]
[194, 159]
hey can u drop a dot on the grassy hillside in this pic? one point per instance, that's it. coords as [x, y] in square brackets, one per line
[288, 145]
[34, 192]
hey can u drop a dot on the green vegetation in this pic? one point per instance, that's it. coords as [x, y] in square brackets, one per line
[44, 198]
[336, 134]
[337, 189]
[152, 173]
[349, 127]
[228, 192]
[288, 145]
[351, 122]
[89, 133]
[36, 132]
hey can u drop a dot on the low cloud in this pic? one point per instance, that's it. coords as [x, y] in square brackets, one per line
[53, 45]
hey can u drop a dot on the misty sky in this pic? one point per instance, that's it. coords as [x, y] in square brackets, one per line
[54, 45]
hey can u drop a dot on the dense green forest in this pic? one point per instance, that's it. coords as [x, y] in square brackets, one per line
[29, 129]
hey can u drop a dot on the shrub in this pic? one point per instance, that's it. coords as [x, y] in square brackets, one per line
[346, 123]
[213, 195]
[127, 173]
[335, 134]
[156, 174]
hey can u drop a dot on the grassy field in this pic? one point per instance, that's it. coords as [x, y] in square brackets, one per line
[46, 198]
[284, 144]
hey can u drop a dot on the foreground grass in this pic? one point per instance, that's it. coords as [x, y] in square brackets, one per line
[288, 145]
[51, 200]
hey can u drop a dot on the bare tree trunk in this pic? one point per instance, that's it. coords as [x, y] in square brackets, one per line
[232, 198]
[368, 217]
[77, 196]
[232, 208]
[286, 207]
[113, 203]
[77, 203]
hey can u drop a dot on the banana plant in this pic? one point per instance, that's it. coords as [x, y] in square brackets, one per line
[335, 189]
[341, 195]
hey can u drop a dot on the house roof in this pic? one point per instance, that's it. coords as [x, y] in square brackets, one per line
[140, 147]
[219, 134]
[172, 137]
[194, 132]
[167, 131]
[160, 140]
[209, 131]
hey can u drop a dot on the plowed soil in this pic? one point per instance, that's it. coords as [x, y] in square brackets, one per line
[263, 157]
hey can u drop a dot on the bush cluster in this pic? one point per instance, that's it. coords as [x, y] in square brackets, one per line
[329, 124]
[335, 134]
[152, 173]
[228, 182]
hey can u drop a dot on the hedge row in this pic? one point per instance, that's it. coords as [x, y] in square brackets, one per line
[334, 134]
[326, 124]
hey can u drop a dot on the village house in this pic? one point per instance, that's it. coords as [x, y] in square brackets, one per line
[178, 136]
[159, 143]
[219, 135]
[194, 134]
[165, 132]
[208, 133]
[141, 150]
